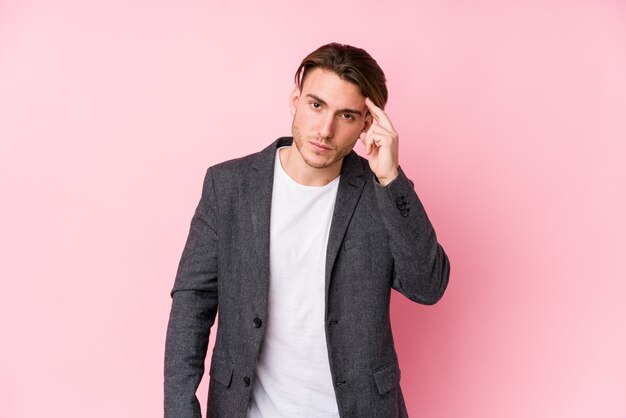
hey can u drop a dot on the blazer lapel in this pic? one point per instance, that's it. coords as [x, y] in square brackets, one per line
[350, 188]
[260, 184]
[259, 203]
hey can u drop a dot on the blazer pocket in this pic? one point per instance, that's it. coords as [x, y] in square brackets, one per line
[387, 378]
[221, 371]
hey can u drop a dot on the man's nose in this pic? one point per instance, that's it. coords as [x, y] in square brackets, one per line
[327, 126]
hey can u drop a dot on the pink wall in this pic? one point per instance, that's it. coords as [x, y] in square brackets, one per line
[512, 120]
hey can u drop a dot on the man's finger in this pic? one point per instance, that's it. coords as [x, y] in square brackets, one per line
[380, 136]
[366, 138]
[378, 114]
[380, 130]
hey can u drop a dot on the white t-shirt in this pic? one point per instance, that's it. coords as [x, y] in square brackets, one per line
[292, 372]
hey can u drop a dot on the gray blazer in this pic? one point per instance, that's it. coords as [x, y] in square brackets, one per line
[380, 238]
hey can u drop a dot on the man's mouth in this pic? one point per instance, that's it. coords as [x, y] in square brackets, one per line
[319, 146]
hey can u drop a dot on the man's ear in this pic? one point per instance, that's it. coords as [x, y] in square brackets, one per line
[293, 100]
[368, 121]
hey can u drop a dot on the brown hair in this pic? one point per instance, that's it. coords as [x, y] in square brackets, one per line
[352, 64]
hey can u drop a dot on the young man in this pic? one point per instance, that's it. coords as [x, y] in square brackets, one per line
[300, 246]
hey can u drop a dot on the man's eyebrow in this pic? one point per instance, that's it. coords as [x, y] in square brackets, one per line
[322, 102]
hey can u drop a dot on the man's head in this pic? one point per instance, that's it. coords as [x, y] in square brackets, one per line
[328, 102]
[351, 64]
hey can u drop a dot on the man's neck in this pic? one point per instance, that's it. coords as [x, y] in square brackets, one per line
[296, 168]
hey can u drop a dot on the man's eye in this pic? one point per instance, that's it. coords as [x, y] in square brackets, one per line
[349, 116]
[315, 105]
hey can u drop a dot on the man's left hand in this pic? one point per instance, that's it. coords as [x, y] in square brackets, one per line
[381, 145]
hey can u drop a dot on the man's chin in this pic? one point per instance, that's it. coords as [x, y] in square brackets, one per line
[317, 164]
[315, 161]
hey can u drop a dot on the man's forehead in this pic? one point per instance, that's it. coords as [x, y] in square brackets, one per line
[328, 86]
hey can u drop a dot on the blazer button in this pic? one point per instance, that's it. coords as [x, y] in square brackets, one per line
[246, 381]
[257, 322]
[405, 212]
[399, 200]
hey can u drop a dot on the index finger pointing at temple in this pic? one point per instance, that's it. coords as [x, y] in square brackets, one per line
[379, 114]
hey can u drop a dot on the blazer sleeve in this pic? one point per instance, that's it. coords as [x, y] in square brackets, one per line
[193, 310]
[421, 266]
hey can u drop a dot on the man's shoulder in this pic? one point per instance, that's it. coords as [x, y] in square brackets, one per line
[234, 164]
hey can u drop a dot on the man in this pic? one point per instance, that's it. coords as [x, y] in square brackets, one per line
[300, 245]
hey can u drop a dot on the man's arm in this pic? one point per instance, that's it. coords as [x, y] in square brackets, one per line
[421, 267]
[194, 307]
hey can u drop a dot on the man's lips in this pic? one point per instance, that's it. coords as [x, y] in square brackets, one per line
[319, 146]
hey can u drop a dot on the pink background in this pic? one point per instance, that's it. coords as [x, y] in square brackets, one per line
[512, 121]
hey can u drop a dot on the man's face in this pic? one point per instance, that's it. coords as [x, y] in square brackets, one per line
[329, 114]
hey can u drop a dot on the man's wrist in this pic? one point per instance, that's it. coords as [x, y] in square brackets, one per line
[384, 181]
